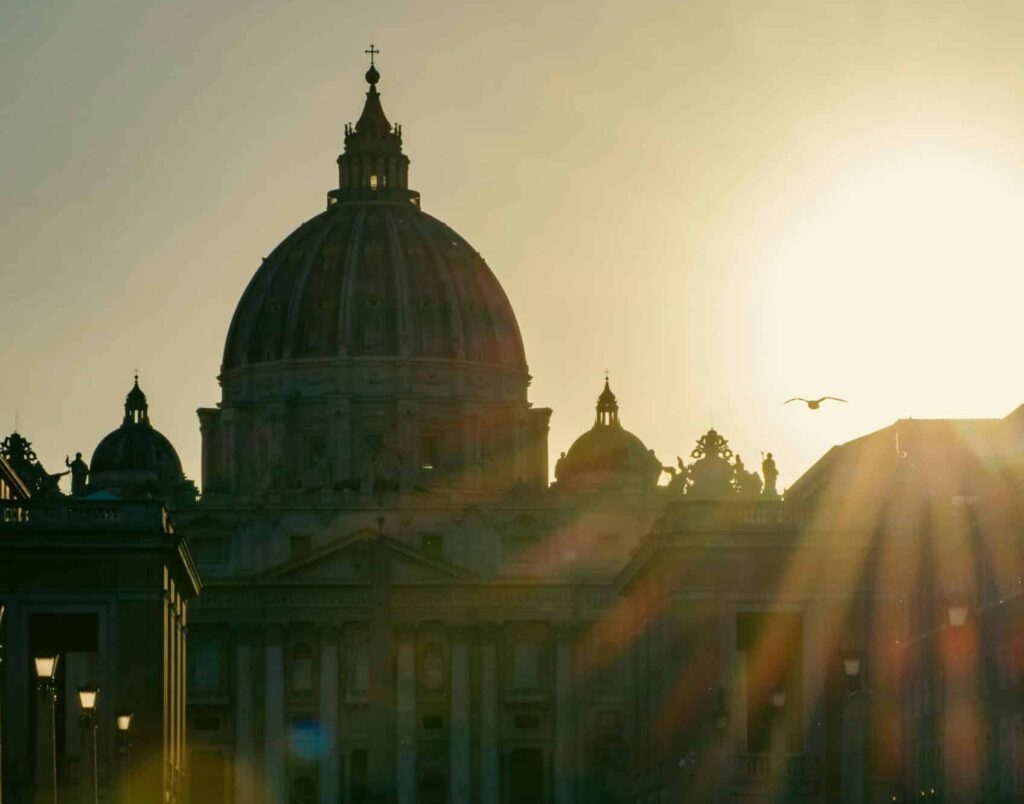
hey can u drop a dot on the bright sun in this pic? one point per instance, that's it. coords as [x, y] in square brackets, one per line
[900, 279]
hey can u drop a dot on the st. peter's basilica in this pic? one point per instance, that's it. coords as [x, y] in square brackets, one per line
[379, 595]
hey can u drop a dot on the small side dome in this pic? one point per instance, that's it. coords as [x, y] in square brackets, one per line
[608, 457]
[136, 460]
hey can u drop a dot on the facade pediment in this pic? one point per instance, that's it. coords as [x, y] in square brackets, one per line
[348, 561]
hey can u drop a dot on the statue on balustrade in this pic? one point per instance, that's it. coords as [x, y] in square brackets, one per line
[771, 476]
[79, 474]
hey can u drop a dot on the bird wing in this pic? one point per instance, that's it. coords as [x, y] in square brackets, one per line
[795, 399]
[833, 398]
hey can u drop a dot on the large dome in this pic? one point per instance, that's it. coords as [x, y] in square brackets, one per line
[372, 278]
[373, 349]
[374, 275]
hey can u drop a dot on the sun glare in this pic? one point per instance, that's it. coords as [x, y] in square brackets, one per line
[898, 279]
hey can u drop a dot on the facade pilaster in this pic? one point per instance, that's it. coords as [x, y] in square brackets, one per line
[329, 786]
[565, 713]
[273, 720]
[460, 748]
[245, 749]
[489, 758]
[405, 720]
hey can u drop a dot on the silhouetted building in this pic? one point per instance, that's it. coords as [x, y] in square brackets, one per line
[398, 606]
[104, 585]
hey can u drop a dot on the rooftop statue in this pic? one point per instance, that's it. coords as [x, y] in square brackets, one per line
[746, 484]
[771, 475]
[19, 453]
[79, 474]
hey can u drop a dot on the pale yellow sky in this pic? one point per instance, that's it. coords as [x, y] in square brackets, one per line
[723, 203]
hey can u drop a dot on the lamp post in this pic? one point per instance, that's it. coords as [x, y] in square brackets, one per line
[87, 700]
[854, 766]
[778, 733]
[46, 674]
[959, 716]
[124, 724]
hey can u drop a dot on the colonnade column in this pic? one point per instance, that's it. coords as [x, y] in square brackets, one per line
[460, 725]
[489, 766]
[245, 758]
[564, 754]
[329, 772]
[405, 716]
[273, 720]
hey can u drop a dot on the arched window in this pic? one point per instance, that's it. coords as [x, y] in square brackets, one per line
[302, 669]
[433, 668]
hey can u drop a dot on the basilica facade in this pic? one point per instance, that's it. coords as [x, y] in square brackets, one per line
[397, 604]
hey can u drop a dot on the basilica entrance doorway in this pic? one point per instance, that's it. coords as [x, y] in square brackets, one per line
[526, 776]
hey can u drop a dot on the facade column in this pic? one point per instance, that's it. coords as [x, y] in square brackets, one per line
[273, 720]
[329, 786]
[564, 754]
[489, 767]
[735, 681]
[405, 720]
[245, 754]
[460, 725]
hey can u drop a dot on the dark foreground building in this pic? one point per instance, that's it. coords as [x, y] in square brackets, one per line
[398, 606]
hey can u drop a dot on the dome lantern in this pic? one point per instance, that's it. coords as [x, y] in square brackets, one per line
[373, 167]
[607, 407]
[136, 408]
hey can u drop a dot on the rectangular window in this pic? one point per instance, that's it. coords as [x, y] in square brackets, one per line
[373, 182]
[206, 667]
[316, 450]
[526, 665]
[428, 452]
[300, 545]
[432, 544]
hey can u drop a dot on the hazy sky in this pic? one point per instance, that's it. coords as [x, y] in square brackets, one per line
[723, 203]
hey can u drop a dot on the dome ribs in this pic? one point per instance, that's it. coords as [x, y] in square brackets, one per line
[403, 324]
[293, 345]
[346, 336]
[457, 333]
[374, 279]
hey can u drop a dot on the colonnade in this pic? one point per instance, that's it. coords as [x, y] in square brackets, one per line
[474, 712]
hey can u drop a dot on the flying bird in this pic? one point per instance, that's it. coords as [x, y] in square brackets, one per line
[813, 404]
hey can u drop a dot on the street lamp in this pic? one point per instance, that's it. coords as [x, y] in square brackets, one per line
[851, 665]
[957, 612]
[46, 674]
[87, 700]
[124, 723]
